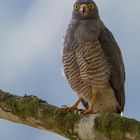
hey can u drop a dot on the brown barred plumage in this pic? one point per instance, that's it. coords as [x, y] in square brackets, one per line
[93, 63]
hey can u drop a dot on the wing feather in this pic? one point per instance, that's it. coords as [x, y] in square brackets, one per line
[113, 53]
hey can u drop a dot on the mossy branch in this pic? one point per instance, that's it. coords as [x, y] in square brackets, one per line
[32, 111]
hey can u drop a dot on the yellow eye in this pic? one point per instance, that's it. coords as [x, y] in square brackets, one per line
[91, 6]
[77, 6]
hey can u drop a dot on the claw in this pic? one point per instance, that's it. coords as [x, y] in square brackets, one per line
[66, 108]
[72, 107]
[81, 111]
[86, 111]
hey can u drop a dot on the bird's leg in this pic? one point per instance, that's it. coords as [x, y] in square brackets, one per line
[90, 110]
[72, 107]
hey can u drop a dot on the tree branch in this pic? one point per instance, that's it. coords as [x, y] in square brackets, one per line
[32, 111]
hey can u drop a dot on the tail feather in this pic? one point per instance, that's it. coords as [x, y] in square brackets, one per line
[120, 96]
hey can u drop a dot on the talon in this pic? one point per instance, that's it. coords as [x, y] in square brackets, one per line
[84, 111]
[81, 111]
[88, 112]
[66, 108]
[73, 107]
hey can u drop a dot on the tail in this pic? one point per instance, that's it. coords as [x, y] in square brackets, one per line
[120, 96]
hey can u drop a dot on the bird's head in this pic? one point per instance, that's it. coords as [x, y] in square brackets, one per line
[85, 9]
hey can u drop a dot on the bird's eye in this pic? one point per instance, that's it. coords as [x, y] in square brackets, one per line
[77, 6]
[91, 6]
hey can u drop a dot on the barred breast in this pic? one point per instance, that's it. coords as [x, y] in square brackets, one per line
[86, 67]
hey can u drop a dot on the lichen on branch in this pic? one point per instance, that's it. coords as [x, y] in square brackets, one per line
[32, 111]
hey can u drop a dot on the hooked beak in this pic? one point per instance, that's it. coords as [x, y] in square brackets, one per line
[83, 9]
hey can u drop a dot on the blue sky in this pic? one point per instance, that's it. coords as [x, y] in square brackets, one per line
[30, 54]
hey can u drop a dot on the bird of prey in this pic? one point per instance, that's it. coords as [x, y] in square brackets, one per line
[92, 61]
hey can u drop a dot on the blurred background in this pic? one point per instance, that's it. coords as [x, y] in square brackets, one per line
[31, 37]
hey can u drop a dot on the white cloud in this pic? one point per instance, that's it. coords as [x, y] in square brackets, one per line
[30, 37]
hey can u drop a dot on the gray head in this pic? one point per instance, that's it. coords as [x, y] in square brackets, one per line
[85, 9]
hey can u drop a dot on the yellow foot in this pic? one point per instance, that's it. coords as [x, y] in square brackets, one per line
[73, 107]
[81, 111]
[66, 108]
[89, 112]
[86, 111]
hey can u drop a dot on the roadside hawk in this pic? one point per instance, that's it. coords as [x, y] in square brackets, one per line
[92, 61]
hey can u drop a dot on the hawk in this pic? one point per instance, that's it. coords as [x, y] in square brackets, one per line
[92, 61]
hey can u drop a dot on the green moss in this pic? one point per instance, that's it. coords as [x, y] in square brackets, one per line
[23, 106]
[115, 127]
[133, 126]
[67, 120]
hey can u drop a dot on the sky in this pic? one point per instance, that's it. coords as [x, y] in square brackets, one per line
[31, 41]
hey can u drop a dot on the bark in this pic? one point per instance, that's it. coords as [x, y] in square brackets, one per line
[32, 111]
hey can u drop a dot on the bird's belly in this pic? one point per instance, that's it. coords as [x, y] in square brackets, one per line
[105, 101]
[93, 65]
[86, 68]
